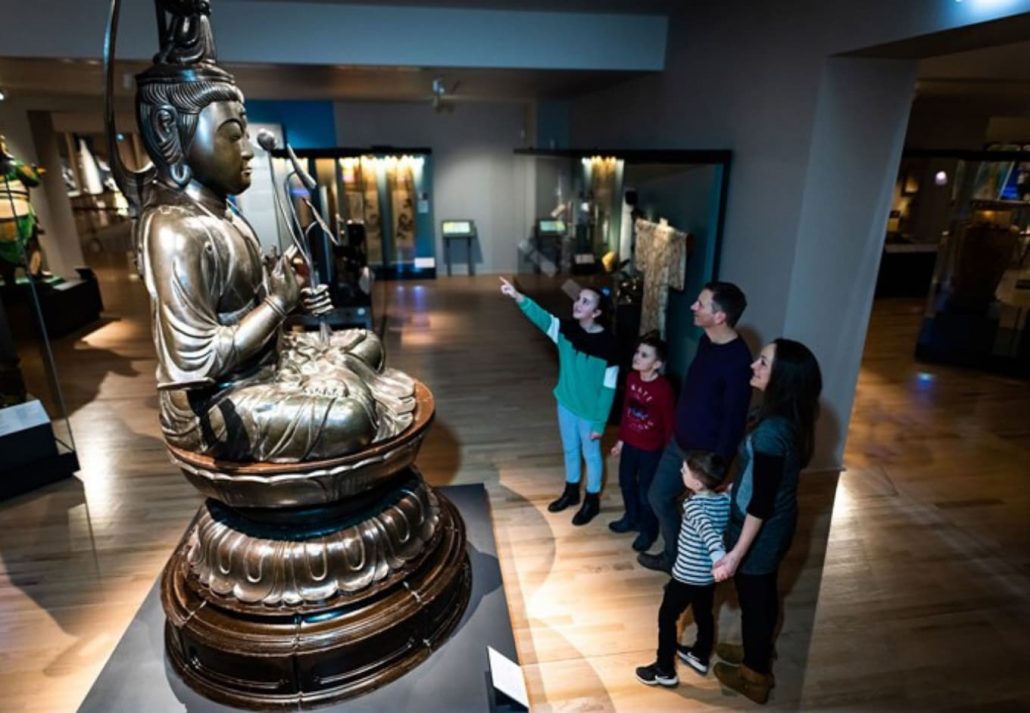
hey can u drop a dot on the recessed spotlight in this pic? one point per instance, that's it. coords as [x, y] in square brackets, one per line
[3, 95]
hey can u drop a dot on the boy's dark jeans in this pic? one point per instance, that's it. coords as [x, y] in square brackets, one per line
[636, 470]
[679, 596]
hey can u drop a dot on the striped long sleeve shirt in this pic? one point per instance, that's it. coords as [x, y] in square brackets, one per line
[700, 542]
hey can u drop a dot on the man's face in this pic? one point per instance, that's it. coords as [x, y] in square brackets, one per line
[706, 313]
[220, 153]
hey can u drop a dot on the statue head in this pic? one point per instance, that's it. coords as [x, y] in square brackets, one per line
[189, 110]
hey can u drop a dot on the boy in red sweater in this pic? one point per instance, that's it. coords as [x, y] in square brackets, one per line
[645, 428]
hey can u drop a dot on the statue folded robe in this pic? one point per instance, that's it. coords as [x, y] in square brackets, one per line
[270, 396]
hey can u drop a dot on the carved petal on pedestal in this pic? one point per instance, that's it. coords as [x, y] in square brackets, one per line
[256, 569]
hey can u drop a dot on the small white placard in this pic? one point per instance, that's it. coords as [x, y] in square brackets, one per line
[585, 259]
[423, 206]
[507, 676]
[425, 262]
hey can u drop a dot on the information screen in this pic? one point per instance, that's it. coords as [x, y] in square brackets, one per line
[551, 227]
[457, 227]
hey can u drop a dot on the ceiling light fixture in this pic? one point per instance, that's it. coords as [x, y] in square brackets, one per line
[3, 95]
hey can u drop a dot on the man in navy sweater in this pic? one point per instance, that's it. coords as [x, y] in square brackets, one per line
[711, 413]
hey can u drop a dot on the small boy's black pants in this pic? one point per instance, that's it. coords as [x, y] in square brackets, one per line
[678, 596]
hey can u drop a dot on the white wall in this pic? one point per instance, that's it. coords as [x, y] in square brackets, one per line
[291, 32]
[475, 172]
[754, 78]
[857, 141]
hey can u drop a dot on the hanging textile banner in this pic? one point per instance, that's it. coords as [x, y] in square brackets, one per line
[373, 221]
[401, 183]
[661, 254]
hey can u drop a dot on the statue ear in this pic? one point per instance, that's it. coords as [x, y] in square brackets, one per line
[165, 125]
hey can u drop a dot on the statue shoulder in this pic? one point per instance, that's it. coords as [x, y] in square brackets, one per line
[179, 222]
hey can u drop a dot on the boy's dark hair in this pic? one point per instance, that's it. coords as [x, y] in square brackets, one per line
[729, 299]
[708, 467]
[654, 340]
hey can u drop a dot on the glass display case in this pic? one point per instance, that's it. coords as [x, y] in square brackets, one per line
[365, 215]
[36, 442]
[976, 312]
[595, 198]
[381, 197]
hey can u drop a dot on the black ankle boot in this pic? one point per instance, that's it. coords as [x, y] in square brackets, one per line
[569, 497]
[591, 506]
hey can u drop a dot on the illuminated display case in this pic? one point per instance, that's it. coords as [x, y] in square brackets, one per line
[590, 198]
[385, 192]
[977, 310]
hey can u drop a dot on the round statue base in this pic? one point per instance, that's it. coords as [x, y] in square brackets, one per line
[267, 612]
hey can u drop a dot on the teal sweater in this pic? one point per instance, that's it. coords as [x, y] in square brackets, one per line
[587, 366]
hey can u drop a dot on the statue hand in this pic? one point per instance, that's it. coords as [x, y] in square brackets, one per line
[283, 286]
[316, 300]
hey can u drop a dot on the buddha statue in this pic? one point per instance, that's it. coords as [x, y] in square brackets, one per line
[321, 564]
[231, 383]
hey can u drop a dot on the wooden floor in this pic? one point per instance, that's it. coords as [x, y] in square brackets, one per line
[907, 587]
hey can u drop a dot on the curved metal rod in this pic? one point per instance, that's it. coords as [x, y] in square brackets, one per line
[278, 202]
[296, 230]
[130, 183]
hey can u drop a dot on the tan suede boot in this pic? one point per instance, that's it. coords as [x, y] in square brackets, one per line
[730, 653]
[742, 679]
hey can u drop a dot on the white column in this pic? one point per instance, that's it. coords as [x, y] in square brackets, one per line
[857, 138]
[61, 242]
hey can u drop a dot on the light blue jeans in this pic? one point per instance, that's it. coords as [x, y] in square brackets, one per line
[576, 442]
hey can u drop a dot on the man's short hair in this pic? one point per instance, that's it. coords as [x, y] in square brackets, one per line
[728, 299]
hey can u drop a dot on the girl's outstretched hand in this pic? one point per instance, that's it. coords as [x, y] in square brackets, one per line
[509, 290]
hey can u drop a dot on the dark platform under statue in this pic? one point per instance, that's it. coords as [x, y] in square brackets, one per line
[315, 581]
[140, 677]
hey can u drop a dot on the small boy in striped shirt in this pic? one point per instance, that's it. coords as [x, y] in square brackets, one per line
[700, 545]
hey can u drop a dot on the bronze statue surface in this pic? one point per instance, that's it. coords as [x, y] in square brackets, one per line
[231, 384]
[321, 565]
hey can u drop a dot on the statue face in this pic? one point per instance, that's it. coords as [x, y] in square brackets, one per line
[220, 154]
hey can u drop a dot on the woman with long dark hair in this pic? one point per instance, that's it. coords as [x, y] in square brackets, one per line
[763, 514]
